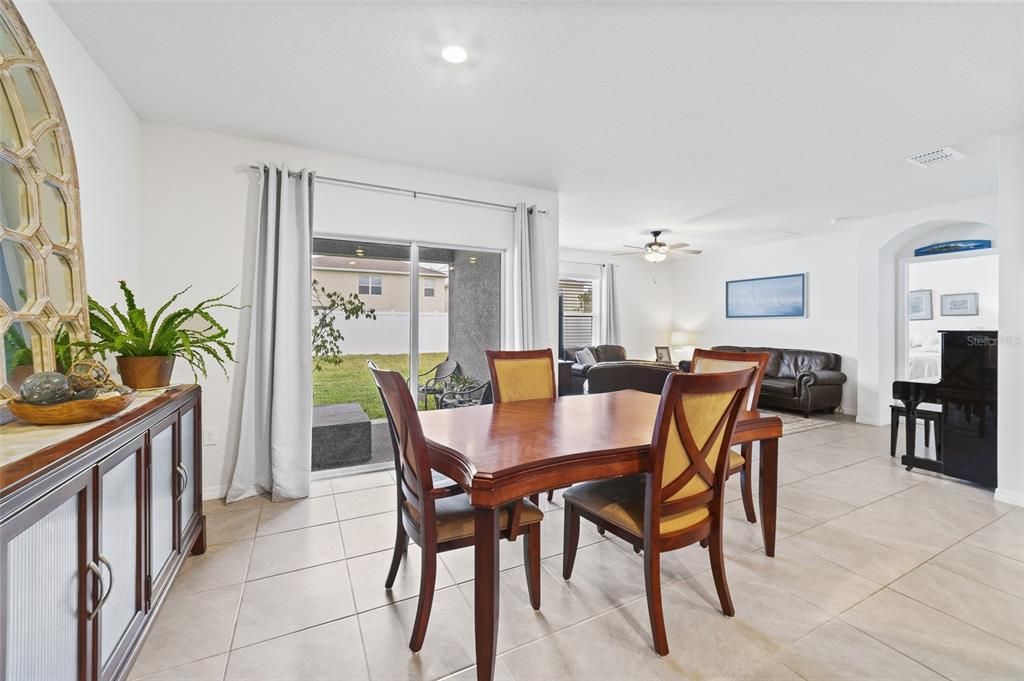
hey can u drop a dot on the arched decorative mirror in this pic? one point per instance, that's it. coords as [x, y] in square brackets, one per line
[42, 289]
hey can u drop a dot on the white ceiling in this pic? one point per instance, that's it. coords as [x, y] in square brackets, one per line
[721, 123]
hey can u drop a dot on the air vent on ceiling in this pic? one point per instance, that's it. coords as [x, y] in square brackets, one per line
[936, 157]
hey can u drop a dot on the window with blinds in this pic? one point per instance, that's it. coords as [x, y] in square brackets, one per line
[577, 311]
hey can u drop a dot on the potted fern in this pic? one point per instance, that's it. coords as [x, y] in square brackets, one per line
[146, 348]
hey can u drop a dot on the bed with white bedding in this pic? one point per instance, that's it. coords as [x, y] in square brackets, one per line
[923, 363]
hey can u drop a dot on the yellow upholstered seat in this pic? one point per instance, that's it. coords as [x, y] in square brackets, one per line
[524, 379]
[455, 516]
[620, 501]
[735, 460]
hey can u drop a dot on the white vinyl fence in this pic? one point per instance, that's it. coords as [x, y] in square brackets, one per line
[388, 334]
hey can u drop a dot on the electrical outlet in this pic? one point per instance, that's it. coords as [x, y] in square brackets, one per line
[209, 436]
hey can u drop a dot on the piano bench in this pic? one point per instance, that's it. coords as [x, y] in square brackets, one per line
[932, 417]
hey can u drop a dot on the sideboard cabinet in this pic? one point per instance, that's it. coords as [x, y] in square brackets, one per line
[94, 526]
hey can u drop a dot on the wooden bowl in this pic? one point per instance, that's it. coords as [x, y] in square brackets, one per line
[72, 411]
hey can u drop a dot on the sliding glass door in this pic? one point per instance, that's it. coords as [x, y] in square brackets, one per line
[426, 311]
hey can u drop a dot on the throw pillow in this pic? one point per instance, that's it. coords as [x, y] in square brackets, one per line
[586, 357]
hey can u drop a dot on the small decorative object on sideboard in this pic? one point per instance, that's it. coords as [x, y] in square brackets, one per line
[49, 398]
[146, 348]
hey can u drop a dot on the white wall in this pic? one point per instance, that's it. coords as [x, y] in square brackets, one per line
[978, 274]
[830, 324]
[1010, 210]
[196, 189]
[643, 298]
[881, 240]
[106, 137]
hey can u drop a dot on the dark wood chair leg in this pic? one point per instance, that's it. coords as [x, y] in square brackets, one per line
[894, 430]
[652, 575]
[747, 481]
[428, 574]
[927, 432]
[551, 494]
[718, 570]
[401, 546]
[531, 561]
[570, 540]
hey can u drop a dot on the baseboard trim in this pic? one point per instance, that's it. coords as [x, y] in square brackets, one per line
[215, 492]
[1010, 497]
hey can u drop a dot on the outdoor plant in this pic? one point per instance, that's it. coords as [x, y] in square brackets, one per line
[191, 333]
[327, 306]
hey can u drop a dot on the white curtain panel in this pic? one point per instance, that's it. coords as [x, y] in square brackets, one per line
[272, 409]
[609, 334]
[523, 304]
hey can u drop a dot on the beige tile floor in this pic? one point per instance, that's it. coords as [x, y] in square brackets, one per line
[879, 574]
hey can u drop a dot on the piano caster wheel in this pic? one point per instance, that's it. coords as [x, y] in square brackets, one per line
[910, 468]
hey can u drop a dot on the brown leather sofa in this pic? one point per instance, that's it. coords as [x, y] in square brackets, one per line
[648, 377]
[579, 372]
[799, 380]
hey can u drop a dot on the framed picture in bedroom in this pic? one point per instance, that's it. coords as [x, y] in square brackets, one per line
[662, 354]
[959, 304]
[919, 305]
[784, 296]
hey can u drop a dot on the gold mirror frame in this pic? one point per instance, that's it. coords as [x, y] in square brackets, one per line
[43, 305]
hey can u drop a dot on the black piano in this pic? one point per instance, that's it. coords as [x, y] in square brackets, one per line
[967, 393]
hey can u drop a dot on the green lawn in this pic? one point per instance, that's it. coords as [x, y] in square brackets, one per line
[350, 381]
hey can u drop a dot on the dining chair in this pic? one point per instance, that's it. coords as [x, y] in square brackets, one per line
[716, 361]
[521, 375]
[518, 375]
[440, 518]
[678, 500]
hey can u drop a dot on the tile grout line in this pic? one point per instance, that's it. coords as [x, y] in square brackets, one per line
[355, 604]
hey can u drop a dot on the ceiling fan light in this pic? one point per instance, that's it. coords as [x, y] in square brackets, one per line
[655, 256]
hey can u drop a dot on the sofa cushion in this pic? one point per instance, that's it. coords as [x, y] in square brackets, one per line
[569, 352]
[794, 362]
[774, 356]
[610, 353]
[783, 387]
[774, 360]
[585, 357]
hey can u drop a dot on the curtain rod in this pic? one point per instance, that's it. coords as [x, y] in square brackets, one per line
[411, 192]
[580, 262]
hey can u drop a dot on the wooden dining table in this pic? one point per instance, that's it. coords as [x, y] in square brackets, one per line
[501, 453]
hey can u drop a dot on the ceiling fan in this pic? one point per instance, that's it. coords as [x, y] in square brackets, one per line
[656, 251]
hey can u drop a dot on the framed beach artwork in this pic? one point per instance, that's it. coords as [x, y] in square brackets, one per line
[919, 305]
[784, 296]
[959, 304]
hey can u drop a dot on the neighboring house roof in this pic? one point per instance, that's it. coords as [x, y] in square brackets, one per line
[343, 263]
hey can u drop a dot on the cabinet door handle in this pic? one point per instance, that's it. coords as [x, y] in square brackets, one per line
[92, 567]
[183, 475]
[109, 586]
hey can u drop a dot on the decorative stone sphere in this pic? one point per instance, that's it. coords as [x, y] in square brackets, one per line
[89, 373]
[47, 387]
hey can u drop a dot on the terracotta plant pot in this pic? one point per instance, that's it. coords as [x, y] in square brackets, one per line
[145, 372]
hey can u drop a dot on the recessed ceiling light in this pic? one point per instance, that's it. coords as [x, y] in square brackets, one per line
[453, 54]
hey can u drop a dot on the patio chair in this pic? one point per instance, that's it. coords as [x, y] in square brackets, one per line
[437, 384]
[466, 397]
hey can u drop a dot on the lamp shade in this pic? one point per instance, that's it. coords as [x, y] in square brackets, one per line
[680, 338]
